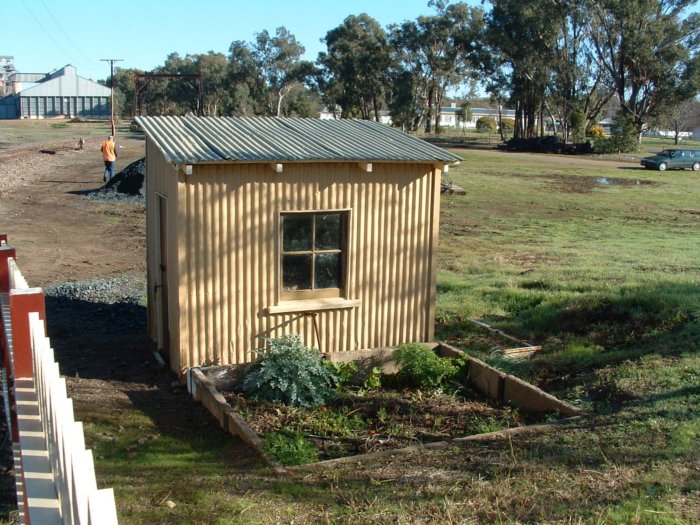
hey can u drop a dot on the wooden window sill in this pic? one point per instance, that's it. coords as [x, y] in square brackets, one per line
[313, 305]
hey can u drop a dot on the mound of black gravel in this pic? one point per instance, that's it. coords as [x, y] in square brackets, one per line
[128, 184]
[109, 290]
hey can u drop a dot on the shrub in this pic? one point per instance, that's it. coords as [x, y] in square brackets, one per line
[290, 448]
[288, 372]
[596, 132]
[485, 124]
[508, 124]
[577, 120]
[421, 367]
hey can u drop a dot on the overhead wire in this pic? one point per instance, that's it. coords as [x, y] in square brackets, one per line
[70, 40]
[48, 34]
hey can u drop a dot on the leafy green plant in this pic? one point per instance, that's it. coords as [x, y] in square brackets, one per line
[345, 373]
[288, 372]
[373, 379]
[421, 367]
[290, 448]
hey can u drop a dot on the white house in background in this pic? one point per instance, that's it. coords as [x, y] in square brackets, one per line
[59, 94]
[448, 116]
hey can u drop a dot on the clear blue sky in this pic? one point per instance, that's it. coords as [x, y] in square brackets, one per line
[44, 35]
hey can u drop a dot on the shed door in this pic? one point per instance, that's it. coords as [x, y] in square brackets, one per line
[162, 284]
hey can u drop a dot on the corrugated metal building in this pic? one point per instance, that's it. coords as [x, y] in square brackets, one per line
[259, 227]
[62, 93]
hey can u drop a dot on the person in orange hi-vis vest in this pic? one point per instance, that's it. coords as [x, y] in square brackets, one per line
[109, 155]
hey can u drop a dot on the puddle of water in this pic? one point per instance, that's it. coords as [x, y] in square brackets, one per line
[611, 181]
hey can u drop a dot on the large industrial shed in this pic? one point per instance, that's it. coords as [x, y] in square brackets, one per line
[258, 227]
[61, 93]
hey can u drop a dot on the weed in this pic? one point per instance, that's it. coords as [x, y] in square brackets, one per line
[373, 379]
[345, 373]
[290, 448]
[420, 367]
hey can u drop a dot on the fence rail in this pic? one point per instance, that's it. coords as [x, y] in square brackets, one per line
[56, 475]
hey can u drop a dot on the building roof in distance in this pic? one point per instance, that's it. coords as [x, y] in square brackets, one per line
[192, 140]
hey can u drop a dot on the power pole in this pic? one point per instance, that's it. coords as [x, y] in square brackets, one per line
[111, 85]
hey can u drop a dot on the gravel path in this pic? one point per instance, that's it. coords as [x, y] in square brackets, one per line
[109, 290]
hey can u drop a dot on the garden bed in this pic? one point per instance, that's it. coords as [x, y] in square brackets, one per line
[358, 422]
[364, 419]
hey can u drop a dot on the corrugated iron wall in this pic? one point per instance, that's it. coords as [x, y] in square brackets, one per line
[228, 255]
[55, 106]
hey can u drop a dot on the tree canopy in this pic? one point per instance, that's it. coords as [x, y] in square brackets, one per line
[558, 63]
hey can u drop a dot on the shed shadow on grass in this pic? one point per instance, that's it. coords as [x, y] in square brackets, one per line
[590, 333]
[109, 343]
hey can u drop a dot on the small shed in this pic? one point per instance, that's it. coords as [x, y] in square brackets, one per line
[259, 227]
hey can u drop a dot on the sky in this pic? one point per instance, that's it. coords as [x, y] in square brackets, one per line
[45, 35]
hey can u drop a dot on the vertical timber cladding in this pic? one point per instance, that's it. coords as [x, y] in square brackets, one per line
[229, 251]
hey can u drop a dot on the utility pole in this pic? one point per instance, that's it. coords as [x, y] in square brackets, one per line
[111, 85]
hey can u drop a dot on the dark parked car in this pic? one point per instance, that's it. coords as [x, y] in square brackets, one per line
[672, 159]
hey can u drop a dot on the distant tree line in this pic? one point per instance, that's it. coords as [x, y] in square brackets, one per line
[554, 61]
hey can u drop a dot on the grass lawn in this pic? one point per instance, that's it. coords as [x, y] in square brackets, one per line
[604, 274]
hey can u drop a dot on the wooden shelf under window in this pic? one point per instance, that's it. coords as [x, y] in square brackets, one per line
[312, 305]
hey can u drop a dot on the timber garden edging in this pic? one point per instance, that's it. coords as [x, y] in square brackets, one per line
[488, 380]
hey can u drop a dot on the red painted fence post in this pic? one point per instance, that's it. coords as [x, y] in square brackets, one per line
[6, 253]
[22, 302]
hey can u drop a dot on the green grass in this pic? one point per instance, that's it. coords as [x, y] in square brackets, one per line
[607, 279]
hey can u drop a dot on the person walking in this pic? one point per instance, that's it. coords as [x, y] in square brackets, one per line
[109, 155]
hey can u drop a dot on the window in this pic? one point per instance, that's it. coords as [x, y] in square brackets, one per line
[313, 254]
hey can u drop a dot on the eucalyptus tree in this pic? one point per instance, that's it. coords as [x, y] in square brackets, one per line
[579, 86]
[247, 84]
[216, 97]
[354, 68]
[520, 33]
[435, 53]
[266, 72]
[649, 48]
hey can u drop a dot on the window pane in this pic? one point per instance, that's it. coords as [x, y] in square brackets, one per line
[329, 231]
[296, 233]
[296, 272]
[328, 270]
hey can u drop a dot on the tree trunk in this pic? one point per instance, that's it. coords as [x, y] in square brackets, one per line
[500, 123]
[551, 115]
[429, 113]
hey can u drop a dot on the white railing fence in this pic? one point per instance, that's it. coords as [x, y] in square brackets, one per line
[57, 482]
[72, 465]
[17, 280]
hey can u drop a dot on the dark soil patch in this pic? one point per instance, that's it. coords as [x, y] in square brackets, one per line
[583, 184]
[356, 423]
[586, 184]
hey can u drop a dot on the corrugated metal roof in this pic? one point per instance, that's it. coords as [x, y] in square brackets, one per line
[65, 83]
[191, 140]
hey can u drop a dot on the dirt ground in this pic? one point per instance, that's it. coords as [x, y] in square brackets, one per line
[59, 235]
